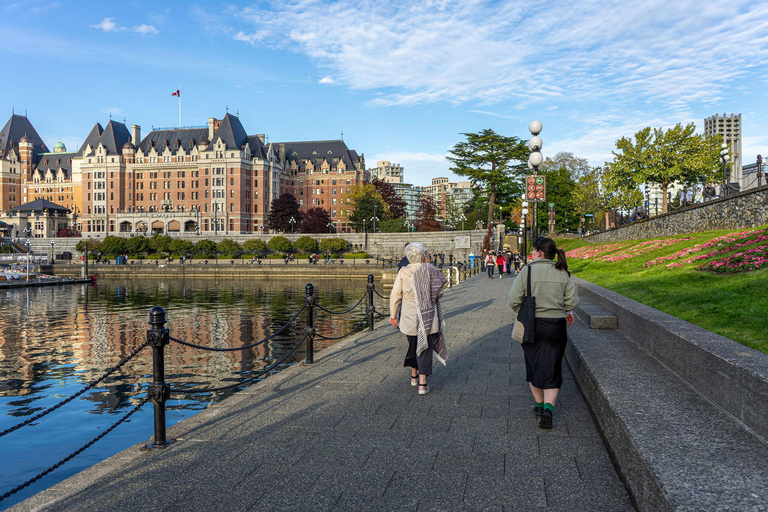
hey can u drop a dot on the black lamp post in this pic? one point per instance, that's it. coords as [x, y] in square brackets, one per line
[292, 221]
[330, 227]
[760, 162]
[525, 234]
[52, 245]
[535, 159]
[724, 159]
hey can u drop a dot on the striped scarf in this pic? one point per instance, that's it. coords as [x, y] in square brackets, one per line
[427, 282]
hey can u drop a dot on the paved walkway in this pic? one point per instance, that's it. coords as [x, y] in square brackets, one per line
[350, 433]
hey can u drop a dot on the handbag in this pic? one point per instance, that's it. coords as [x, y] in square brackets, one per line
[524, 330]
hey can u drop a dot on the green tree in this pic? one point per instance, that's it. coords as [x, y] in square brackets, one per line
[660, 157]
[113, 245]
[560, 189]
[138, 245]
[283, 209]
[255, 247]
[228, 247]
[205, 248]
[160, 243]
[392, 225]
[575, 166]
[489, 160]
[93, 245]
[280, 244]
[333, 245]
[589, 195]
[367, 206]
[180, 247]
[306, 244]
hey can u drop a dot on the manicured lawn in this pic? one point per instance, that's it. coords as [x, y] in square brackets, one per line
[734, 305]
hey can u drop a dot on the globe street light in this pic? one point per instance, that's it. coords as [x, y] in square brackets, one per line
[330, 227]
[462, 218]
[724, 159]
[534, 161]
[292, 221]
[373, 220]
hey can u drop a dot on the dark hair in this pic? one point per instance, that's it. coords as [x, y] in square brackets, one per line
[549, 248]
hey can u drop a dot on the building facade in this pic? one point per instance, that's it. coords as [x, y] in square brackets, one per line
[412, 197]
[387, 171]
[730, 128]
[451, 198]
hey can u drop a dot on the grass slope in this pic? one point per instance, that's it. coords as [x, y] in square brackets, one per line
[733, 305]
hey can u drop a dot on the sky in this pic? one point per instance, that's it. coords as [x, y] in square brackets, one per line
[402, 80]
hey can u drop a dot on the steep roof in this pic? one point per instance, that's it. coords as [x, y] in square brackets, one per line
[92, 139]
[173, 138]
[16, 128]
[55, 162]
[257, 147]
[231, 133]
[313, 150]
[113, 138]
[38, 205]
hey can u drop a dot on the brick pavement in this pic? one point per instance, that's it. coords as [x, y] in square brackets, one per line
[350, 433]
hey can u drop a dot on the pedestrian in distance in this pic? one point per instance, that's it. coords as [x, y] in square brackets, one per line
[418, 288]
[403, 262]
[501, 261]
[556, 299]
[517, 260]
[490, 264]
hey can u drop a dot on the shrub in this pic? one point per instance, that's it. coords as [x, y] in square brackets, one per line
[160, 243]
[306, 244]
[280, 244]
[228, 247]
[205, 248]
[255, 247]
[138, 245]
[113, 245]
[93, 245]
[356, 256]
[333, 245]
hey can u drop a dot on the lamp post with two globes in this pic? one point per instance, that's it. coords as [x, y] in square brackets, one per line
[534, 161]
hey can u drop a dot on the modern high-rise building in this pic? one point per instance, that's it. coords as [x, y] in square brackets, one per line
[450, 198]
[730, 128]
[387, 171]
[412, 197]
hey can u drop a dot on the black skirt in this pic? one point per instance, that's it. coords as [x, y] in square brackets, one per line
[544, 357]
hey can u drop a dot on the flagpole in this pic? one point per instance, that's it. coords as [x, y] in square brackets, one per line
[179, 89]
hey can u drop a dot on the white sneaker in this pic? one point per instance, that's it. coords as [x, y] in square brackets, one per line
[423, 389]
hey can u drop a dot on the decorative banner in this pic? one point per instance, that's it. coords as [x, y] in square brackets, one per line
[536, 189]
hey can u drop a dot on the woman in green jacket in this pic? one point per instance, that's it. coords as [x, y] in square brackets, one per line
[556, 298]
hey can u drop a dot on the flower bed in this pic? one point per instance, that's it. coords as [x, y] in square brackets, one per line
[744, 261]
[717, 252]
[592, 251]
[732, 237]
[642, 248]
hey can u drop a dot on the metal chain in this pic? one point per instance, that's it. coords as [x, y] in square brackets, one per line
[342, 312]
[380, 295]
[76, 453]
[380, 314]
[86, 388]
[249, 379]
[244, 347]
[365, 319]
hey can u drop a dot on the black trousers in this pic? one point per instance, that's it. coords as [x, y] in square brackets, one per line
[544, 357]
[422, 363]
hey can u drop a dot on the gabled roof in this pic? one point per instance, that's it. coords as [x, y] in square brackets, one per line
[55, 162]
[257, 147]
[174, 138]
[313, 150]
[231, 133]
[113, 138]
[39, 205]
[16, 128]
[92, 138]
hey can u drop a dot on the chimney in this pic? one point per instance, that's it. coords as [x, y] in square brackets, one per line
[281, 152]
[211, 127]
[135, 134]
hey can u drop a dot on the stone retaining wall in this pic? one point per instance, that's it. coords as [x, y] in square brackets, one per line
[744, 210]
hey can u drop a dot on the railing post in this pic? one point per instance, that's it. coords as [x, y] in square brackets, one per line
[450, 278]
[159, 392]
[371, 287]
[309, 301]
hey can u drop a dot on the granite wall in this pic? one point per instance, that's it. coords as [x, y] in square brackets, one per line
[743, 210]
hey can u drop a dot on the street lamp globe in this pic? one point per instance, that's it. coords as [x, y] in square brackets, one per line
[535, 144]
[525, 204]
[535, 127]
[535, 159]
[525, 213]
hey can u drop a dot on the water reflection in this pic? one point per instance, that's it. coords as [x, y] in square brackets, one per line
[54, 340]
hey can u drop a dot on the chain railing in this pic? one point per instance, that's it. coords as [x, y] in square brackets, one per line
[160, 391]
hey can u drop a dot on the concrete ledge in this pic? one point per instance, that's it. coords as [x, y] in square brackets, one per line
[596, 317]
[674, 449]
[731, 375]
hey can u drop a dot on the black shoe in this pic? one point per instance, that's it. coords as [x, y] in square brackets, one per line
[546, 419]
[537, 411]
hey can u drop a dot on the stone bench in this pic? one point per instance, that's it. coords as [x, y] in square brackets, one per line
[594, 316]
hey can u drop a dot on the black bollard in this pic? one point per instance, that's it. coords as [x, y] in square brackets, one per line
[309, 300]
[371, 287]
[159, 392]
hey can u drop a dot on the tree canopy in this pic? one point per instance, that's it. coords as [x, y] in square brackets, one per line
[283, 209]
[390, 197]
[663, 157]
[366, 203]
[427, 219]
[316, 220]
[490, 161]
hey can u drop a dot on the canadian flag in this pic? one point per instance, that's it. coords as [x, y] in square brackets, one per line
[177, 93]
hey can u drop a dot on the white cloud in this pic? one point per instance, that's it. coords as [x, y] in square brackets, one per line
[251, 39]
[115, 111]
[495, 114]
[146, 29]
[108, 25]
[326, 80]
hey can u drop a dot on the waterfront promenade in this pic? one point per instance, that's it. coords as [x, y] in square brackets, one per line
[350, 433]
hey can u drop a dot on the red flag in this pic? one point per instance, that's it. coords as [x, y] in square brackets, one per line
[177, 93]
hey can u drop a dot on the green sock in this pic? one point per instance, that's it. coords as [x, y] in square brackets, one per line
[549, 406]
[539, 404]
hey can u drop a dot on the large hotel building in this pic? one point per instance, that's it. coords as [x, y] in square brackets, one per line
[214, 179]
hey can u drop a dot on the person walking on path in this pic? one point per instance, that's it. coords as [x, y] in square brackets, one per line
[403, 262]
[490, 264]
[556, 298]
[418, 288]
[501, 261]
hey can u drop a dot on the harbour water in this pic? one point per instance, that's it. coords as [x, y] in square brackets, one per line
[55, 340]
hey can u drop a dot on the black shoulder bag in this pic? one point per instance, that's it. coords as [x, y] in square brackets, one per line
[524, 331]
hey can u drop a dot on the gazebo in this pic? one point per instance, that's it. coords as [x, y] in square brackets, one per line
[39, 219]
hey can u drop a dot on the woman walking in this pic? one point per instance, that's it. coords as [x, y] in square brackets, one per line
[556, 298]
[490, 264]
[501, 261]
[418, 286]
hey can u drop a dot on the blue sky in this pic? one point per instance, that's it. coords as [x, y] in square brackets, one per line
[401, 79]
